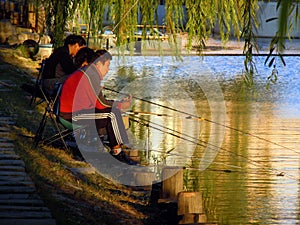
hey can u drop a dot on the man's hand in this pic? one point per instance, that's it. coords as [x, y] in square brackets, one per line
[128, 99]
[126, 103]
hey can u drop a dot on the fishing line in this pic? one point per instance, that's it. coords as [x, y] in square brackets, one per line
[125, 15]
[194, 157]
[208, 169]
[196, 141]
[175, 135]
[280, 173]
[205, 119]
[157, 114]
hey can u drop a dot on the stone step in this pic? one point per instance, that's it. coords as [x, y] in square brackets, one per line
[28, 221]
[16, 201]
[4, 129]
[8, 156]
[24, 196]
[4, 139]
[14, 178]
[6, 144]
[16, 162]
[6, 120]
[16, 183]
[24, 214]
[19, 201]
[12, 168]
[17, 189]
[7, 151]
[23, 208]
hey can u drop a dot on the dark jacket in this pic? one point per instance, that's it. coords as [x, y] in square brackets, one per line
[59, 64]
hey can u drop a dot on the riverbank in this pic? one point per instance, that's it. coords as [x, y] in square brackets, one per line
[72, 197]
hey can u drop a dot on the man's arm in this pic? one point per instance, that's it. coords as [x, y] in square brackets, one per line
[103, 101]
[122, 105]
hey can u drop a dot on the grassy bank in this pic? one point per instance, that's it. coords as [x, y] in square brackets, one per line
[73, 199]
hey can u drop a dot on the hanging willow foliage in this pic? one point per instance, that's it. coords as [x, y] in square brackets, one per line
[126, 13]
[249, 22]
[199, 18]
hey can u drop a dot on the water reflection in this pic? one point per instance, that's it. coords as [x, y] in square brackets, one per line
[250, 151]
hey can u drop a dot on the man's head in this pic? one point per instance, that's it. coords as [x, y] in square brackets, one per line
[102, 61]
[74, 43]
[84, 57]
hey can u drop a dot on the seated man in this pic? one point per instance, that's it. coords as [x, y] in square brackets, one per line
[60, 64]
[83, 57]
[82, 94]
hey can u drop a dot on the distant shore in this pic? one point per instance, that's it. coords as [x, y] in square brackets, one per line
[213, 46]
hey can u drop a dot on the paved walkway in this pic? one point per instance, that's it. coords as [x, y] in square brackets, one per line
[19, 202]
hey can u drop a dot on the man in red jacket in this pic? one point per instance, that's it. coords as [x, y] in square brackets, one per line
[82, 94]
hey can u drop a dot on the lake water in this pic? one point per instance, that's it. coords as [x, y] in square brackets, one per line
[240, 145]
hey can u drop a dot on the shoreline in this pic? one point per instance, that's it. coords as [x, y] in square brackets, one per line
[213, 47]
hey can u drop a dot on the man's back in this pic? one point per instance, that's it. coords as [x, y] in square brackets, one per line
[59, 63]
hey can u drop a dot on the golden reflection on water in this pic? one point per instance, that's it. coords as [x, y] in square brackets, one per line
[278, 154]
[171, 135]
[254, 178]
[263, 186]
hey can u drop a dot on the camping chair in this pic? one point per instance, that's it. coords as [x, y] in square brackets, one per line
[52, 114]
[38, 90]
[79, 137]
[67, 133]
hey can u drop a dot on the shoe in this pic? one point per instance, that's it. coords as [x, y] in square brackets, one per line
[122, 157]
[116, 150]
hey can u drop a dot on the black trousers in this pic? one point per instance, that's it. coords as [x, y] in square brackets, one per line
[108, 118]
[114, 125]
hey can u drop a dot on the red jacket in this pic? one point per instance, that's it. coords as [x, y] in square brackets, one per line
[82, 91]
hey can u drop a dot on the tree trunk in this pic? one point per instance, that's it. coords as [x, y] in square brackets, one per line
[60, 7]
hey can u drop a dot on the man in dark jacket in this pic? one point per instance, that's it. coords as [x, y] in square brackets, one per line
[60, 64]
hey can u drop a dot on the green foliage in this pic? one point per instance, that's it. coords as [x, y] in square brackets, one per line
[57, 13]
[249, 23]
[125, 20]
[23, 51]
[286, 24]
[198, 18]
[205, 16]
[273, 77]
[202, 16]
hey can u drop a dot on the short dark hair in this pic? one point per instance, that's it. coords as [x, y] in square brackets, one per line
[103, 55]
[84, 54]
[73, 39]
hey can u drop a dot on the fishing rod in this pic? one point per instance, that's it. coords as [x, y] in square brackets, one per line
[155, 114]
[215, 170]
[205, 119]
[196, 141]
[154, 103]
[175, 135]
[194, 157]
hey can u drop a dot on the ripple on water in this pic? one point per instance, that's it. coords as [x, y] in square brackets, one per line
[254, 178]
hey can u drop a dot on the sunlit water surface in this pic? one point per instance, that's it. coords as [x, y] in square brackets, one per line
[240, 144]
